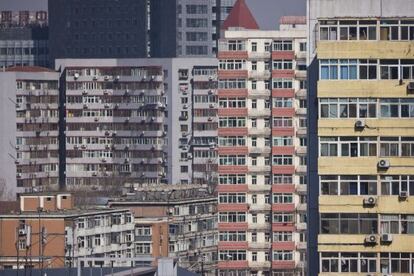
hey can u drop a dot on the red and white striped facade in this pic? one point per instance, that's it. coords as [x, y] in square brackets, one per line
[262, 151]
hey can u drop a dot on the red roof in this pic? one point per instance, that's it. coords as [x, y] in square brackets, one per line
[240, 16]
[28, 69]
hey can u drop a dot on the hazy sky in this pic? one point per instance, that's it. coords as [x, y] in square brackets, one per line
[267, 12]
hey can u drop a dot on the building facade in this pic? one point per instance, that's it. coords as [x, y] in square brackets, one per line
[24, 38]
[186, 28]
[178, 221]
[360, 97]
[30, 130]
[108, 29]
[49, 232]
[262, 148]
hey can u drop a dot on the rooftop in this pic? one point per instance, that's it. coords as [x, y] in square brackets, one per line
[28, 69]
[240, 17]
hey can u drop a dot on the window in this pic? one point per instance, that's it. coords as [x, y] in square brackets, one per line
[232, 122]
[282, 255]
[368, 69]
[348, 262]
[395, 184]
[232, 64]
[232, 236]
[282, 236]
[232, 217]
[282, 45]
[234, 255]
[232, 102]
[225, 179]
[389, 69]
[232, 198]
[282, 64]
[232, 160]
[348, 146]
[279, 141]
[281, 198]
[397, 108]
[348, 108]
[254, 46]
[280, 122]
[282, 102]
[281, 83]
[232, 84]
[232, 45]
[302, 46]
[282, 160]
[282, 179]
[396, 263]
[282, 217]
[349, 223]
[348, 185]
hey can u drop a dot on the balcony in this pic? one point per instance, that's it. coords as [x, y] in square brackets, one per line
[259, 150]
[301, 111]
[257, 208]
[259, 169]
[259, 265]
[259, 188]
[259, 112]
[301, 245]
[302, 189]
[302, 207]
[301, 169]
[301, 151]
[301, 226]
[260, 75]
[301, 131]
[301, 94]
[260, 131]
[300, 74]
[233, 264]
[260, 226]
[283, 264]
[301, 55]
[260, 245]
[259, 94]
[259, 55]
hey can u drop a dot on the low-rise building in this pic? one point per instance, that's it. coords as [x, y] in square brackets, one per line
[49, 232]
[185, 227]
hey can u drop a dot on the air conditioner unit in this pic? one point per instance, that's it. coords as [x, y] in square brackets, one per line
[410, 87]
[210, 92]
[76, 76]
[18, 175]
[117, 78]
[85, 106]
[96, 119]
[370, 201]
[22, 232]
[116, 106]
[210, 119]
[106, 105]
[383, 164]
[106, 133]
[185, 106]
[386, 238]
[103, 160]
[95, 77]
[114, 133]
[106, 78]
[212, 105]
[403, 194]
[212, 145]
[84, 92]
[189, 156]
[371, 239]
[94, 174]
[83, 146]
[359, 124]
[127, 120]
[126, 160]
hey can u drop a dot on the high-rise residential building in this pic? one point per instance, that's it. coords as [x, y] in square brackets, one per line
[107, 122]
[29, 129]
[186, 27]
[98, 29]
[361, 85]
[262, 147]
[23, 38]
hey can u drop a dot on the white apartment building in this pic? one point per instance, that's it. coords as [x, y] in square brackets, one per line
[262, 149]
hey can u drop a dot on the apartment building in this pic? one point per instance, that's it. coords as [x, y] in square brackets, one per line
[49, 232]
[130, 120]
[361, 88]
[23, 38]
[29, 127]
[262, 147]
[186, 28]
[178, 221]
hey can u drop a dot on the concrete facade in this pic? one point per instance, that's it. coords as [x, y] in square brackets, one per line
[29, 129]
[371, 187]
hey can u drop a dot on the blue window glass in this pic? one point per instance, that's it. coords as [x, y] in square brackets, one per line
[325, 72]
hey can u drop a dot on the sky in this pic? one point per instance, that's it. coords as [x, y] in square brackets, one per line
[266, 12]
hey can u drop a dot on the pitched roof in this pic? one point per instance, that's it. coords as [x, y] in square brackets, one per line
[240, 16]
[28, 69]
